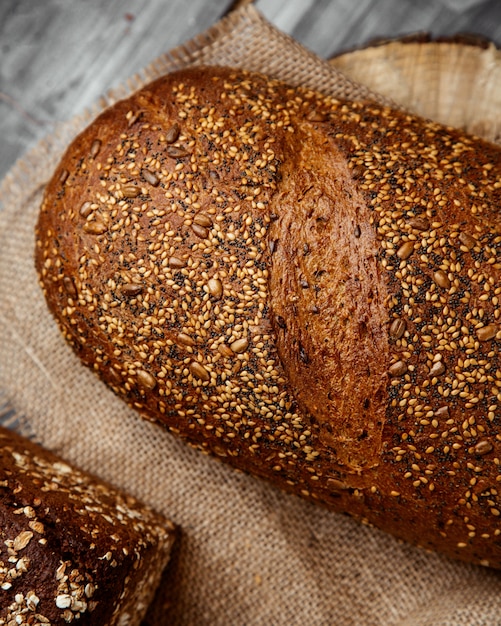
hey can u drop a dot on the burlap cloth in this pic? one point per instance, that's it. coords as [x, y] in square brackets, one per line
[249, 554]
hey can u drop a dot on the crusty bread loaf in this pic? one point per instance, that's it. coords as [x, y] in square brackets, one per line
[72, 547]
[305, 287]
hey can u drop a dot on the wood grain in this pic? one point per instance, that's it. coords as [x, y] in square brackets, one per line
[58, 56]
[328, 27]
[453, 82]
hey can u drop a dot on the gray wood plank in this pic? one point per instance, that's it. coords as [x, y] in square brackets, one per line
[58, 56]
[328, 27]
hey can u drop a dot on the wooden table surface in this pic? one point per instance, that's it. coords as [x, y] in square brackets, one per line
[58, 56]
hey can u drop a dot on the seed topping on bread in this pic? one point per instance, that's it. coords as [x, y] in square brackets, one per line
[306, 286]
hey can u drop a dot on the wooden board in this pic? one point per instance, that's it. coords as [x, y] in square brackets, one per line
[456, 82]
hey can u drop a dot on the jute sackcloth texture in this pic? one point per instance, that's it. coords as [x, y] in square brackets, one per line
[249, 554]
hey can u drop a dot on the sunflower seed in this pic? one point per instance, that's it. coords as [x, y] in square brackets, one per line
[96, 227]
[397, 328]
[487, 332]
[176, 263]
[131, 191]
[199, 371]
[240, 345]
[200, 231]
[483, 447]
[419, 223]
[150, 177]
[215, 287]
[69, 286]
[145, 379]
[202, 220]
[437, 369]
[405, 250]
[173, 133]
[185, 339]
[86, 209]
[398, 369]
[467, 240]
[95, 148]
[22, 540]
[176, 152]
[131, 289]
[441, 279]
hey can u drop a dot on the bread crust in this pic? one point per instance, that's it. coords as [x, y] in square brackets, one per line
[72, 546]
[305, 287]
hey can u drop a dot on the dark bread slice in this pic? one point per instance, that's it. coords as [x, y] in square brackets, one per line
[73, 548]
[305, 287]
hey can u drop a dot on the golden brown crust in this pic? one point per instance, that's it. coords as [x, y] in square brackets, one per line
[324, 290]
[309, 288]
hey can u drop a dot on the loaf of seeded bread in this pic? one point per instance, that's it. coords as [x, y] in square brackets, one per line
[73, 547]
[305, 287]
